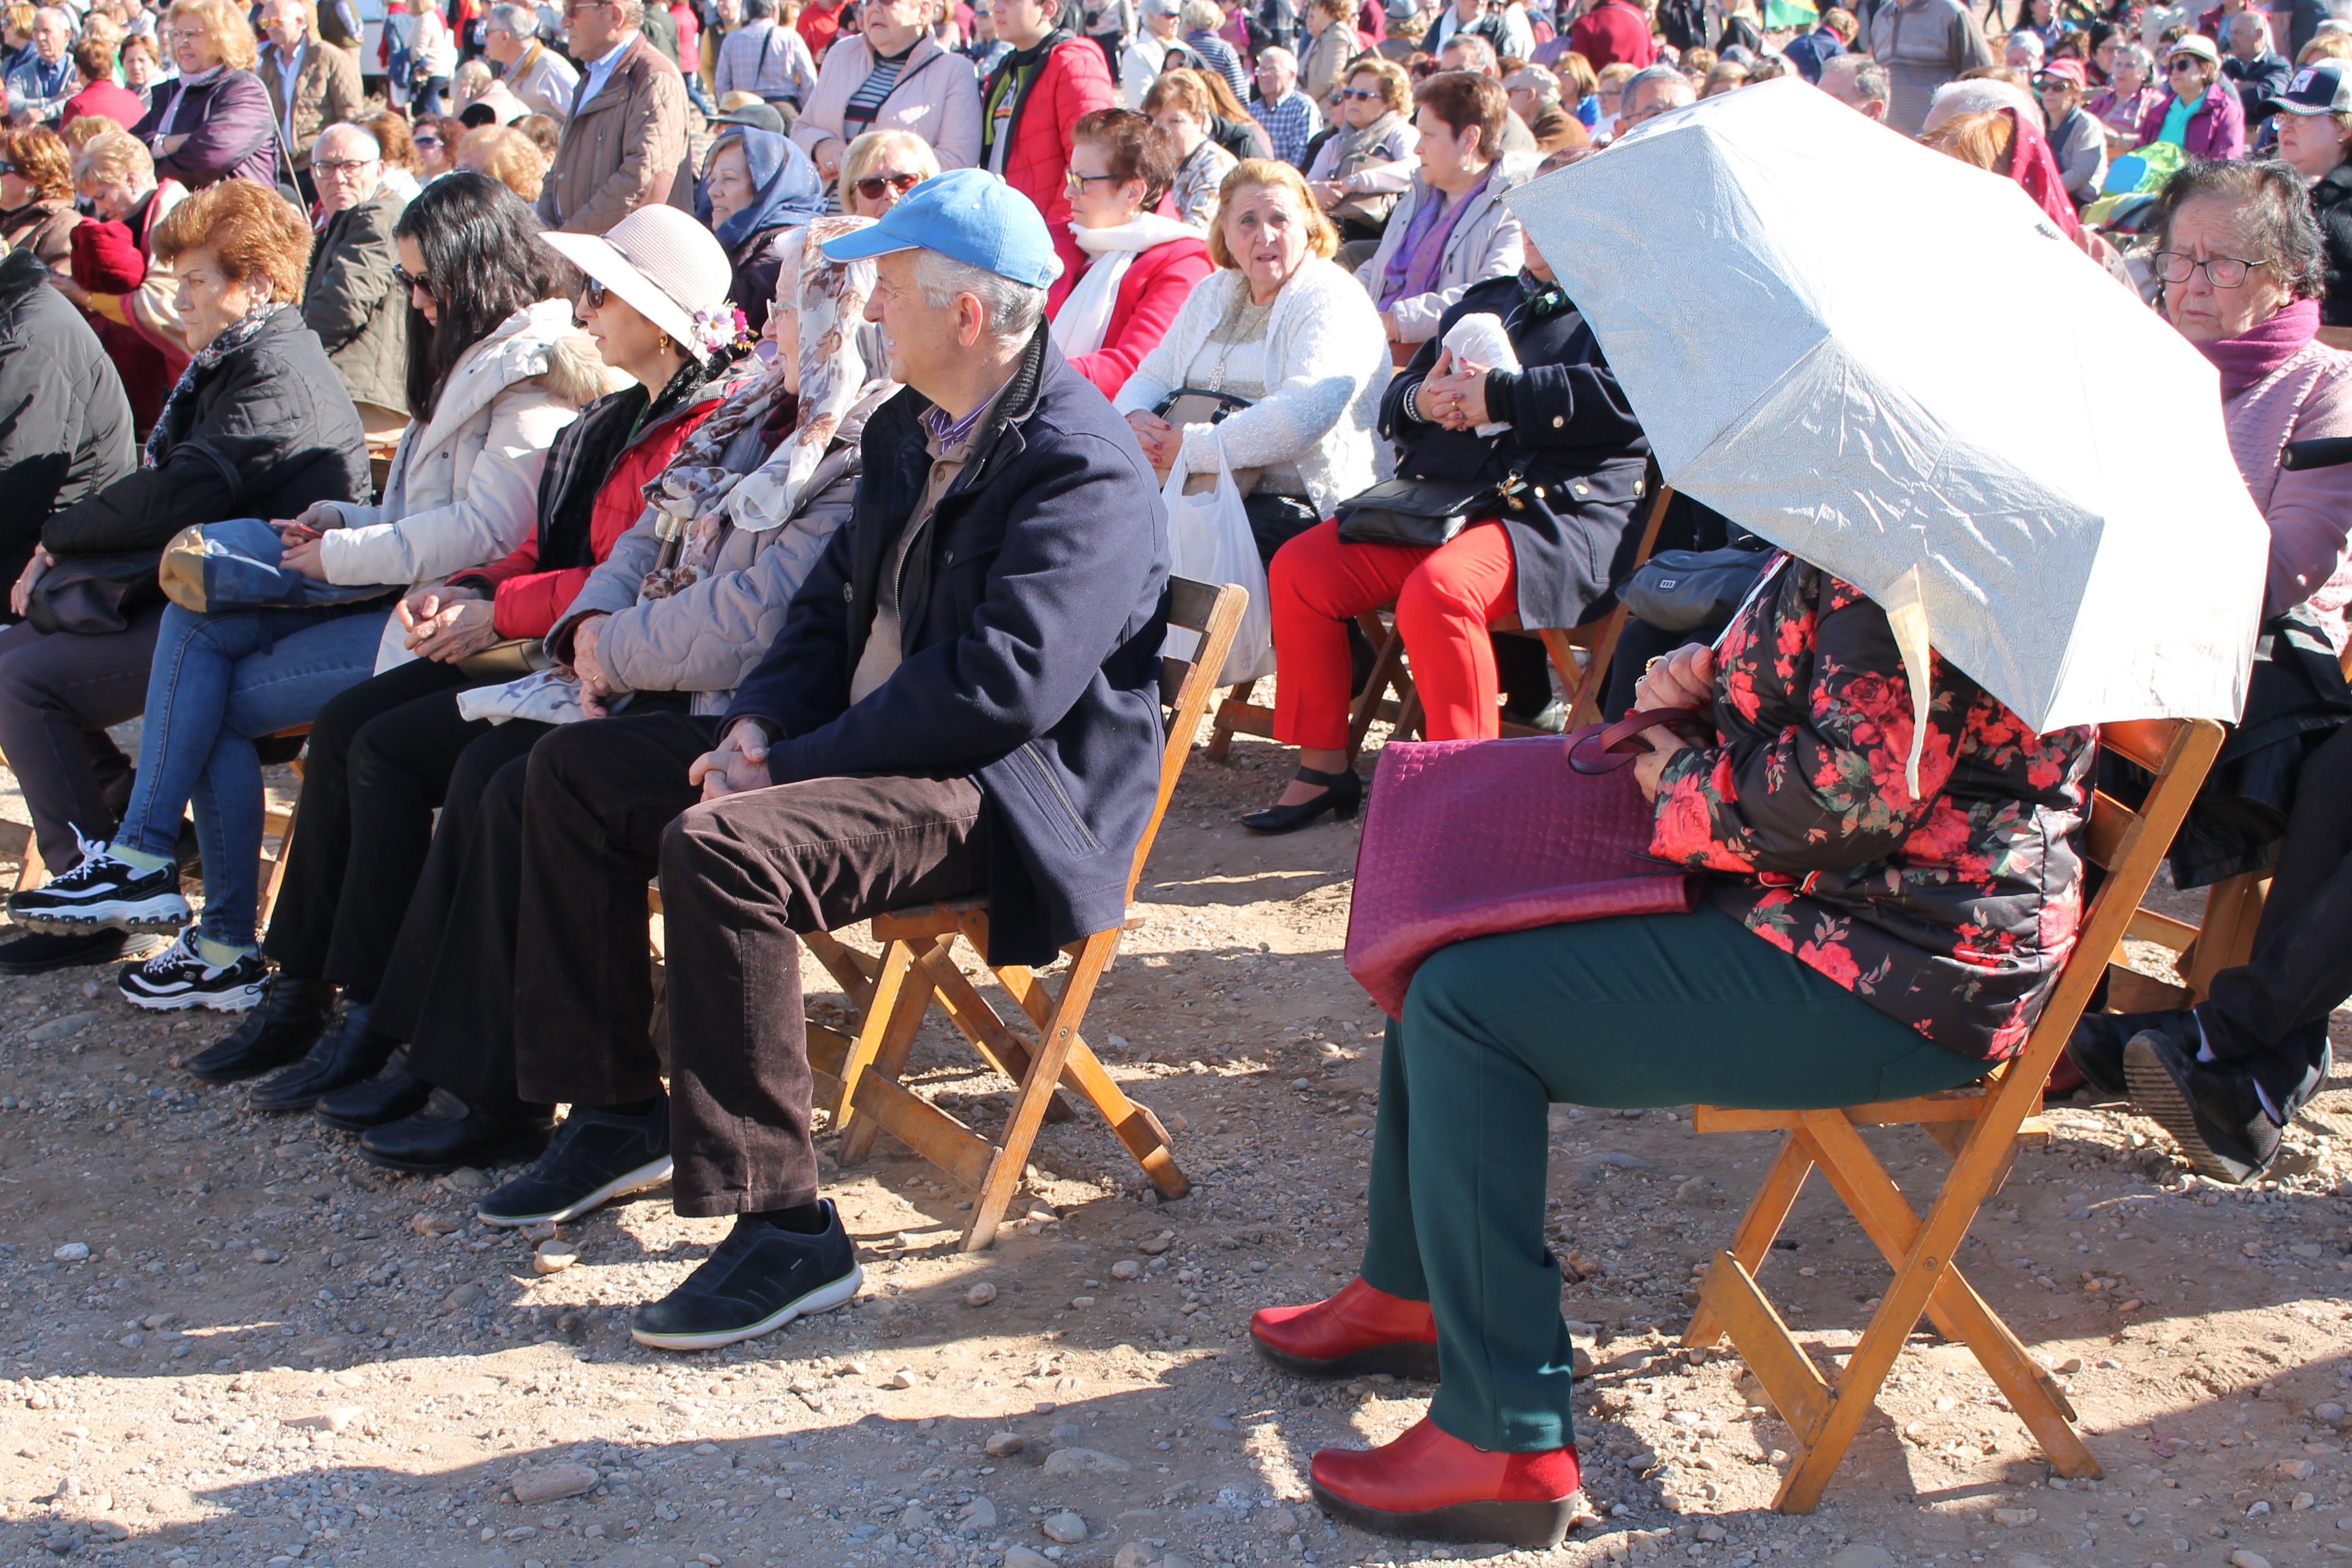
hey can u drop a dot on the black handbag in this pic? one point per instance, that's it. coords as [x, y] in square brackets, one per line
[1680, 590]
[1424, 513]
[94, 594]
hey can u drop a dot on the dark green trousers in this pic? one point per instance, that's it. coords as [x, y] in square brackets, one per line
[1645, 1011]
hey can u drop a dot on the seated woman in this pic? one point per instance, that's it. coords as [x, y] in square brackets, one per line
[1279, 325]
[757, 188]
[882, 166]
[1182, 109]
[2202, 114]
[2225, 1079]
[1856, 942]
[1141, 268]
[37, 195]
[687, 603]
[497, 370]
[382, 752]
[1451, 230]
[1366, 162]
[1548, 557]
[259, 423]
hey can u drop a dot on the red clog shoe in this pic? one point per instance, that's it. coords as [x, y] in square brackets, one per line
[1359, 1330]
[1427, 1486]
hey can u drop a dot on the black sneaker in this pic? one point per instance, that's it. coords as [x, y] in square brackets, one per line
[596, 1157]
[2211, 1109]
[762, 1278]
[178, 978]
[103, 891]
[2098, 1044]
[44, 951]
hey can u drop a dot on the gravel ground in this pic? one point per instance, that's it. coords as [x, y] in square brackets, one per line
[226, 1340]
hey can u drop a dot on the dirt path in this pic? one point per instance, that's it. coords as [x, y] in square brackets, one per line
[273, 1352]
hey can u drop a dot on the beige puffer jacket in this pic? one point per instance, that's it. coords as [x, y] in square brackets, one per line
[464, 487]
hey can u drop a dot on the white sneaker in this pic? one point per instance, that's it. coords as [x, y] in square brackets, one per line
[179, 978]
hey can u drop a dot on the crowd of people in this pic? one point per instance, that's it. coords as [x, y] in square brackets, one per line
[727, 442]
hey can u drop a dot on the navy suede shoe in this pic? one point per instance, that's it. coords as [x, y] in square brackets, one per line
[762, 1278]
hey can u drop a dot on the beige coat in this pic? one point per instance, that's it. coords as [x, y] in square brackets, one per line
[326, 89]
[544, 81]
[624, 150]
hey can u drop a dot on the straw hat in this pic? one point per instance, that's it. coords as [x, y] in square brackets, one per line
[666, 264]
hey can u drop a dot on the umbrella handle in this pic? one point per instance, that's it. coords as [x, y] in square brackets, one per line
[1599, 749]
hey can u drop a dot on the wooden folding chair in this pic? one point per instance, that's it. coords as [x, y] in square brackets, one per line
[916, 966]
[1982, 1125]
[2222, 939]
[1581, 655]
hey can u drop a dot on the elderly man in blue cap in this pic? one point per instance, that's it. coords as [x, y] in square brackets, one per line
[964, 697]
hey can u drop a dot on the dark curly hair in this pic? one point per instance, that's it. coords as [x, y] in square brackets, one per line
[2275, 192]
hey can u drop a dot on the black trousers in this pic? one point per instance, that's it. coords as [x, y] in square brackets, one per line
[740, 875]
[381, 760]
[450, 988]
[2272, 1011]
[58, 692]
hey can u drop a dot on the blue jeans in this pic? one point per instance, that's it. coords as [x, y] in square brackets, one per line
[218, 683]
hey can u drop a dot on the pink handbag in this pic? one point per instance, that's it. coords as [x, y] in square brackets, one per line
[1466, 838]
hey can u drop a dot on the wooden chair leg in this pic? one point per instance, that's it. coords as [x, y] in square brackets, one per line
[1056, 1034]
[276, 876]
[1387, 669]
[891, 1055]
[30, 873]
[979, 1023]
[891, 984]
[1766, 1212]
[2225, 937]
[1221, 735]
[851, 970]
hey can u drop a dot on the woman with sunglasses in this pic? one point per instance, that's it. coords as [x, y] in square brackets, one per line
[882, 166]
[2201, 115]
[495, 371]
[435, 141]
[1139, 267]
[1367, 162]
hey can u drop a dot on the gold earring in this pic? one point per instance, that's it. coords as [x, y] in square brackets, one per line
[665, 344]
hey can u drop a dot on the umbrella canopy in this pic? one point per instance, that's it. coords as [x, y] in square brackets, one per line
[1889, 363]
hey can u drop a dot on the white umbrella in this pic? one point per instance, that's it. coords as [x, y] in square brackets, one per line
[1892, 365]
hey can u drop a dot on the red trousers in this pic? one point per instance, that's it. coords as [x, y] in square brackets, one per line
[1445, 600]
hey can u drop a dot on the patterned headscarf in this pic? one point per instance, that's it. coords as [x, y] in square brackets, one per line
[697, 496]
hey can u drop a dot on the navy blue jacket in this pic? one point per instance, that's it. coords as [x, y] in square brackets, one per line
[1030, 616]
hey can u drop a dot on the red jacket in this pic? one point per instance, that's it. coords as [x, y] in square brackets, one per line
[1155, 287]
[819, 26]
[118, 104]
[1074, 80]
[1614, 31]
[528, 602]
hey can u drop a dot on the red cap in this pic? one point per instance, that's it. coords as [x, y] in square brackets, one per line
[2067, 67]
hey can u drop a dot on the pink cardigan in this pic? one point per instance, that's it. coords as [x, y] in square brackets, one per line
[937, 97]
[2309, 513]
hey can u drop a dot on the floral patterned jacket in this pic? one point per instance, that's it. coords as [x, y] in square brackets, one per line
[1952, 914]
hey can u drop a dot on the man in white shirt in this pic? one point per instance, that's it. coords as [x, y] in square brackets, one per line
[544, 81]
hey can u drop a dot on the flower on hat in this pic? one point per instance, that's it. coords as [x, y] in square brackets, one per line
[721, 326]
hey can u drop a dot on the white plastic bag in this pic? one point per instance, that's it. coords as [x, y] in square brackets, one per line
[1480, 343]
[1209, 541]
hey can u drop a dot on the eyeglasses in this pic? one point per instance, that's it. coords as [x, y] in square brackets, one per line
[10, 169]
[1359, 94]
[1077, 183]
[411, 280]
[573, 10]
[2220, 271]
[872, 186]
[594, 294]
[340, 165]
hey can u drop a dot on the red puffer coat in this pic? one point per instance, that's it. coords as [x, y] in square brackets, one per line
[1074, 80]
[1951, 912]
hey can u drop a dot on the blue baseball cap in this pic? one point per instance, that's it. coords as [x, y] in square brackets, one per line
[969, 214]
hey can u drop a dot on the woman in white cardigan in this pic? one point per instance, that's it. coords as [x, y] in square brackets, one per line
[1281, 326]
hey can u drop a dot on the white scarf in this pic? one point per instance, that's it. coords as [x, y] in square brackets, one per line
[1085, 315]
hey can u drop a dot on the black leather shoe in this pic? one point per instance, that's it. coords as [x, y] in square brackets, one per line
[345, 1055]
[2096, 1045]
[757, 1280]
[38, 952]
[1343, 792]
[432, 1142]
[2210, 1109]
[281, 1026]
[390, 1096]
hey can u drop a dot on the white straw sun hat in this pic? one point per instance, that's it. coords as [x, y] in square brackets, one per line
[668, 267]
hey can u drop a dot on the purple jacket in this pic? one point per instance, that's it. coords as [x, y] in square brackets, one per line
[230, 130]
[2216, 130]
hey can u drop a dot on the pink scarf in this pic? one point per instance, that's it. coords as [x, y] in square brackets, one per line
[2252, 356]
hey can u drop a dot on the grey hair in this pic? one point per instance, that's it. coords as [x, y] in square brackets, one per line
[1477, 53]
[1870, 82]
[1677, 87]
[2259, 20]
[520, 20]
[1014, 309]
[2137, 54]
[758, 10]
[632, 12]
[2030, 40]
[1980, 95]
[344, 130]
[2272, 193]
[56, 14]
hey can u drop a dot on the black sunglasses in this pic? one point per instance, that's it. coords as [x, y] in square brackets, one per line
[407, 279]
[594, 293]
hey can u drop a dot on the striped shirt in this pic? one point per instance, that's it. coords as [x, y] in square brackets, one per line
[868, 100]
